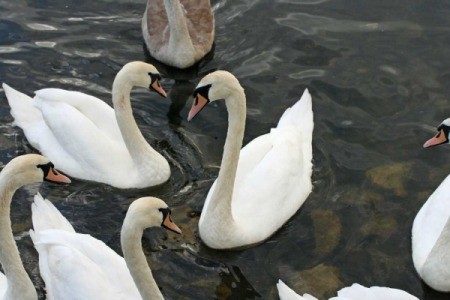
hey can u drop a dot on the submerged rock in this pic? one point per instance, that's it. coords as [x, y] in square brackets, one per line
[322, 281]
[327, 231]
[391, 177]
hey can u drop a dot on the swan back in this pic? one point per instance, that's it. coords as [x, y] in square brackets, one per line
[358, 292]
[353, 292]
[194, 24]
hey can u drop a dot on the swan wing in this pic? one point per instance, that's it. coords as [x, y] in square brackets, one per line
[46, 216]
[94, 109]
[155, 25]
[286, 293]
[71, 260]
[300, 115]
[78, 266]
[274, 173]
[200, 23]
[3, 285]
[429, 224]
[276, 186]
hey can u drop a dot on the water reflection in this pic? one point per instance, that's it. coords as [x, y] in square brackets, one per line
[312, 25]
[179, 94]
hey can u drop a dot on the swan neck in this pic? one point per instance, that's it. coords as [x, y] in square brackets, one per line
[19, 283]
[179, 32]
[137, 146]
[221, 199]
[136, 262]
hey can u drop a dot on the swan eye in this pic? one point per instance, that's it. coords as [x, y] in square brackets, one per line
[154, 77]
[47, 168]
[165, 212]
[203, 90]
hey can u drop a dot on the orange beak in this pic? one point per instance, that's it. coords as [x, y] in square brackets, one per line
[169, 224]
[197, 105]
[158, 88]
[438, 139]
[55, 176]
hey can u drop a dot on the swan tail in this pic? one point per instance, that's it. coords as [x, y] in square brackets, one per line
[286, 293]
[25, 115]
[22, 108]
[46, 216]
[299, 115]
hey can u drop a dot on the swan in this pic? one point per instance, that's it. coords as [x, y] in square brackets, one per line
[178, 32]
[261, 186]
[354, 292]
[20, 171]
[77, 266]
[88, 139]
[431, 228]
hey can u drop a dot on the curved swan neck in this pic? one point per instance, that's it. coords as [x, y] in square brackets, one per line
[137, 264]
[19, 283]
[179, 32]
[221, 199]
[136, 144]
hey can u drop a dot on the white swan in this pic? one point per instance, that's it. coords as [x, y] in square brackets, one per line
[354, 292]
[251, 199]
[431, 229]
[89, 140]
[77, 266]
[178, 32]
[18, 172]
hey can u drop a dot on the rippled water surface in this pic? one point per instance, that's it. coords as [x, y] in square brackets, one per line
[379, 75]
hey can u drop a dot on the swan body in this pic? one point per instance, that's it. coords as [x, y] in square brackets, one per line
[431, 229]
[77, 266]
[354, 292]
[15, 283]
[261, 186]
[178, 32]
[87, 138]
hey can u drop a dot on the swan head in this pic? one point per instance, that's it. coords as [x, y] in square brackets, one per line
[442, 135]
[31, 168]
[151, 212]
[143, 75]
[215, 86]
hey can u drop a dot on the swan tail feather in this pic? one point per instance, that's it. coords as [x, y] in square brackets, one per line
[25, 114]
[22, 108]
[299, 115]
[46, 216]
[286, 293]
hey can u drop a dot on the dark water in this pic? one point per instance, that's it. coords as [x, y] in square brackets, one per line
[379, 75]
